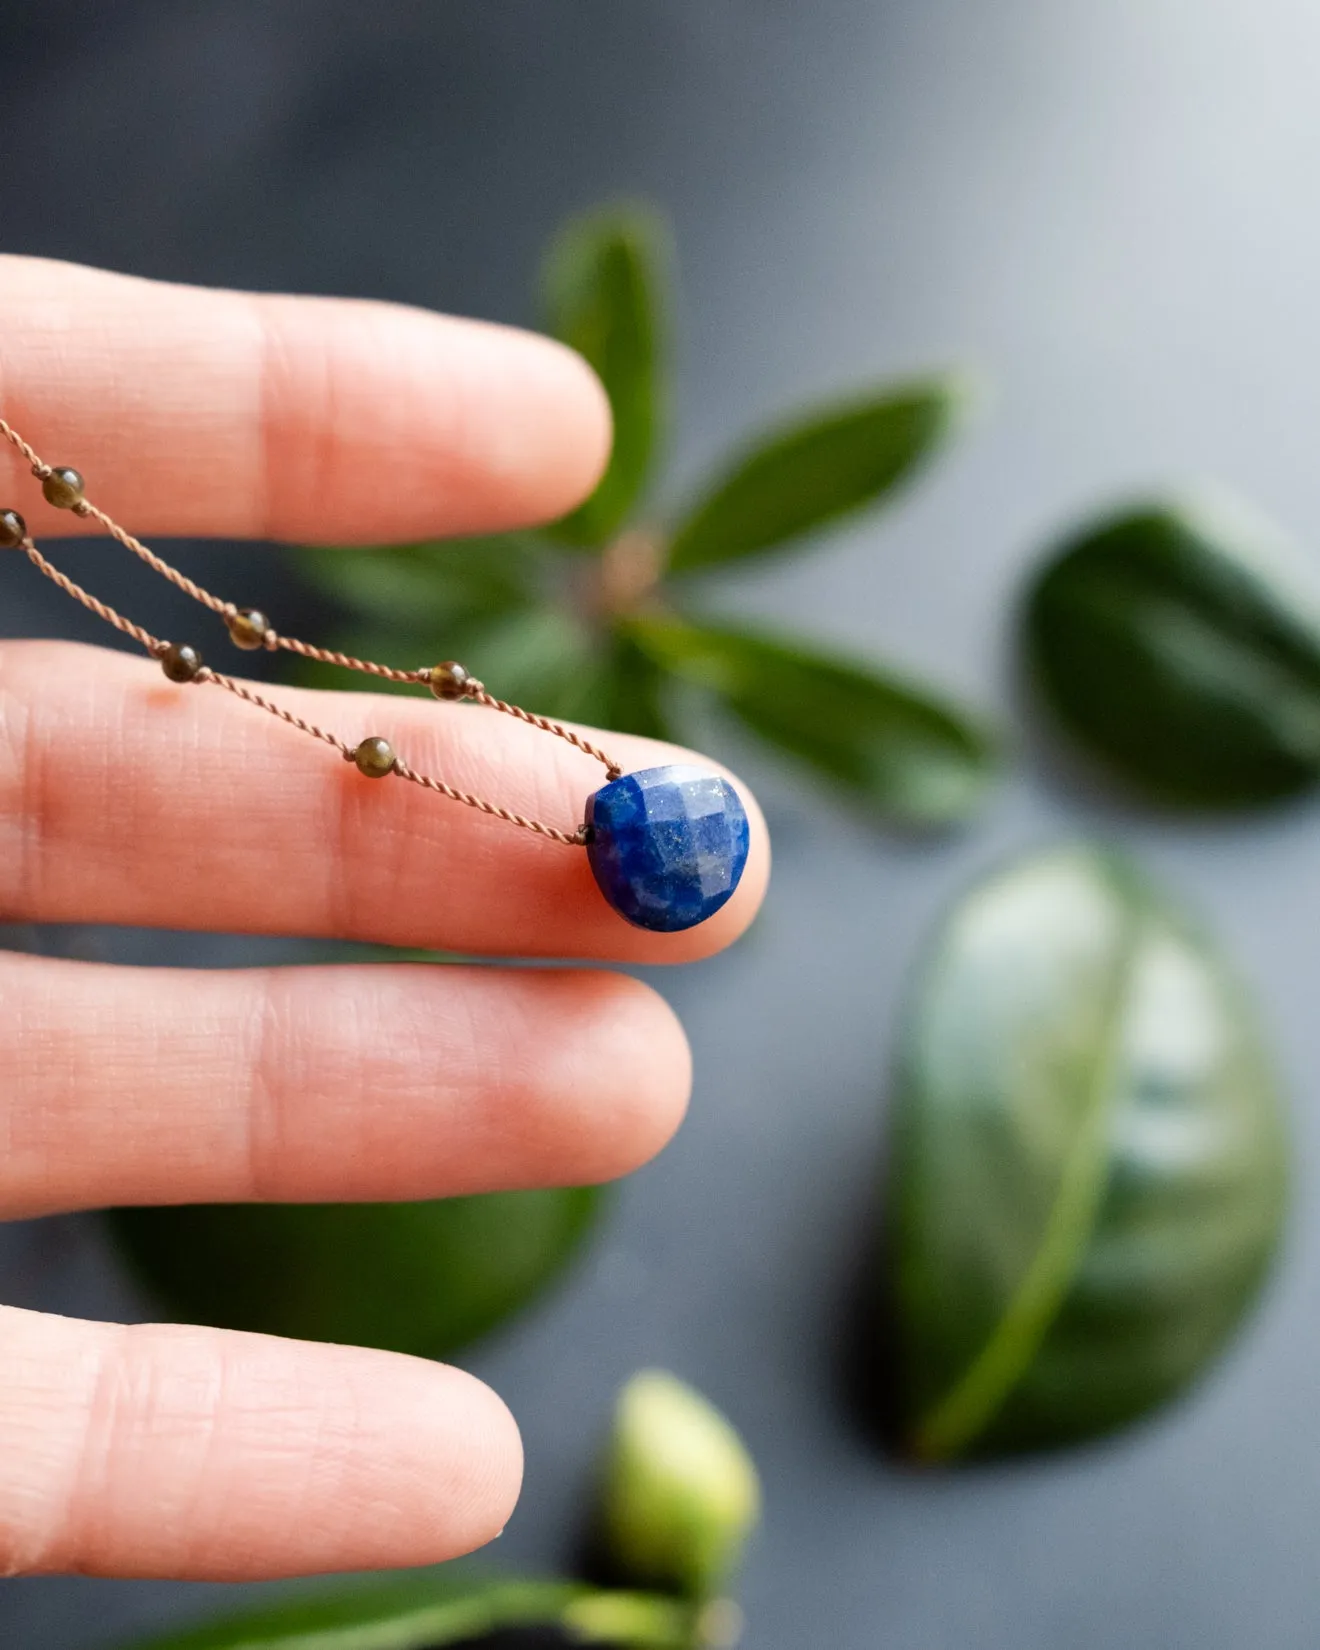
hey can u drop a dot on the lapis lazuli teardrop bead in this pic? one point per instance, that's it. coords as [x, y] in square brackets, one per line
[667, 845]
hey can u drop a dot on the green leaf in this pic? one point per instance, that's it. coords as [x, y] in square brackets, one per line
[425, 1278]
[433, 586]
[681, 1494]
[1088, 1177]
[1178, 645]
[815, 472]
[630, 694]
[884, 743]
[442, 1607]
[601, 291]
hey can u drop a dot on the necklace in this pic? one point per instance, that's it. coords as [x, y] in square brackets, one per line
[667, 845]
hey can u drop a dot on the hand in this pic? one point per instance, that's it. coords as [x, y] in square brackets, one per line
[158, 1450]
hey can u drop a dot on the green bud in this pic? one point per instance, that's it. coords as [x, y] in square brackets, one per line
[681, 1494]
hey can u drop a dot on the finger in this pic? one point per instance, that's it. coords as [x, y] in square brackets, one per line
[244, 415]
[123, 1085]
[125, 799]
[211, 1455]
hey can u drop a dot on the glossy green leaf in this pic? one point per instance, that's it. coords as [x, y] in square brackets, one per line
[815, 472]
[423, 1277]
[601, 293]
[1088, 1176]
[1179, 646]
[884, 743]
[439, 1608]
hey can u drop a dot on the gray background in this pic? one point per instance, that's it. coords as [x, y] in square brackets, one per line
[1111, 209]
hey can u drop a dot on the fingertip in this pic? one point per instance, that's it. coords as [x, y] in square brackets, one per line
[632, 1034]
[526, 432]
[478, 1430]
[387, 1461]
[473, 426]
[574, 459]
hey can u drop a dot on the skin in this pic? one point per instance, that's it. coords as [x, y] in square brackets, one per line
[161, 1450]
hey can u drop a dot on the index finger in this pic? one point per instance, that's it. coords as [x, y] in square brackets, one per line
[245, 415]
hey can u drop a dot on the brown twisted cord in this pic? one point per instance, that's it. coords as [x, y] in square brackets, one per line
[327, 656]
[291, 644]
[39, 467]
[103, 610]
[206, 674]
[574, 839]
[473, 689]
[228, 610]
[478, 692]
[156, 647]
[155, 562]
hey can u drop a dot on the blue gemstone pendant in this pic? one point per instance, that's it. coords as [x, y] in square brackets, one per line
[667, 845]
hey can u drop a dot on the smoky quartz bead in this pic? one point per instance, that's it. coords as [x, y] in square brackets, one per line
[449, 680]
[248, 628]
[13, 529]
[180, 662]
[63, 487]
[375, 757]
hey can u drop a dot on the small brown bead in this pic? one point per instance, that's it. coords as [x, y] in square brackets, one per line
[375, 757]
[13, 529]
[449, 680]
[63, 487]
[180, 662]
[247, 629]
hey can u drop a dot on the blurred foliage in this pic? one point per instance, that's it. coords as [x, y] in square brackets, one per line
[873, 736]
[600, 290]
[1088, 1176]
[592, 618]
[680, 1495]
[424, 1278]
[1180, 648]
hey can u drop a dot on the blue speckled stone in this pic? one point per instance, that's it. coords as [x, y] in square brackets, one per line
[667, 845]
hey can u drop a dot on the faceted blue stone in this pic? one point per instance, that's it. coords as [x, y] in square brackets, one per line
[667, 845]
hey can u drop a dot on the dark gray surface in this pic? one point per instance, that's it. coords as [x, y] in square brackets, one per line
[1110, 208]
